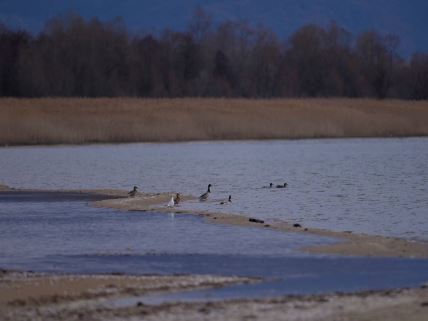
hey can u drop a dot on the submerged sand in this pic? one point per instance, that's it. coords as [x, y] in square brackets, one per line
[28, 296]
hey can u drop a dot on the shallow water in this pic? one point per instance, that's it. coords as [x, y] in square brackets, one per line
[72, 237]
[377, 186]
[288, 276]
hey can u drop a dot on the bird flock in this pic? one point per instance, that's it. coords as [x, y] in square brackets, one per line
[175, 200]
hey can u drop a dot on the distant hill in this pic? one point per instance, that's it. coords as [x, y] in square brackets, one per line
[407, 19]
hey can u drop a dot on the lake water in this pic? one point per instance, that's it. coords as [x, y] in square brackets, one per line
[377, 186]
[68, 236]
[34, 234]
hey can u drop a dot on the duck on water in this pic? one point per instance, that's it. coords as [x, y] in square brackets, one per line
[228, 201]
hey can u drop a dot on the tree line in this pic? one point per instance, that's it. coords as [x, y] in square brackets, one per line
[74, 56]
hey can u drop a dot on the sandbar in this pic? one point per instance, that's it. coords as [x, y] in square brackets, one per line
[349, 243]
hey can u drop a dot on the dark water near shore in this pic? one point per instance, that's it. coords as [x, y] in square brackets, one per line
[62, 236]
[375, 186]
[287, 275]
[71, 237]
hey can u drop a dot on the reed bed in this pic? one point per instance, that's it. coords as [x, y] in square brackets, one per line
[116, 120]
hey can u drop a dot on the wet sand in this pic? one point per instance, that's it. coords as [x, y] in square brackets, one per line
[34, 296]
[28, 296]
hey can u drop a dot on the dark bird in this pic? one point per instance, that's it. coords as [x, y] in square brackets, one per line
[133, 192]
[204, 196]
[228, 201]
[177, 199]
[282, 186]
[269, 186]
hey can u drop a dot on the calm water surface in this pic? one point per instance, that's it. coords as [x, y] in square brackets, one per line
[377, 186]
[71, 237]
[34, 234]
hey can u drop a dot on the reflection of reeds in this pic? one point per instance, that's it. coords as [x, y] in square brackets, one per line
[80, 120]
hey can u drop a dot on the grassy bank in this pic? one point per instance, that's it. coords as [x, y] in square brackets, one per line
[77, 121]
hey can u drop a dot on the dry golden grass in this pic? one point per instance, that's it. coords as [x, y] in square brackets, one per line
[81, 120]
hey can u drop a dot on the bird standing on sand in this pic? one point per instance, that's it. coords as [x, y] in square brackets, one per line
[282, 186]
[133, 192]
[229, 200]
[171, 202]
[204, 196]
[177, 199]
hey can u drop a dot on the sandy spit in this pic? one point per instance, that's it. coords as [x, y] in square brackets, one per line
[349, 244]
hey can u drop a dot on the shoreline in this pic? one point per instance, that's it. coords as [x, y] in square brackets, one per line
[63, 297]
[92, 297]
[220, 140]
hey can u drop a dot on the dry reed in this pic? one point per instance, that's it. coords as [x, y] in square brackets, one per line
[81, 120]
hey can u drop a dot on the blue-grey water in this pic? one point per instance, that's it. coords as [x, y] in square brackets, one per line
[69, 236]
[41, 235]
[376, 186]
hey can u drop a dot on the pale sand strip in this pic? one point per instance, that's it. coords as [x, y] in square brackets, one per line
[21, 288]
[29, 296]
[39, 297]
[409, 305]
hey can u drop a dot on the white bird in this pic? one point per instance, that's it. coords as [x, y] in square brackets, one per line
[171, 202]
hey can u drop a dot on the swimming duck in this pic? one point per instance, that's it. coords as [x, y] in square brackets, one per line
[133, 192]
[282, 186]
[177, 199]
[229, 200]
[204, 196]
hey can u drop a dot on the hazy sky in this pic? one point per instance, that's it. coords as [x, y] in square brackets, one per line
[406, 18]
